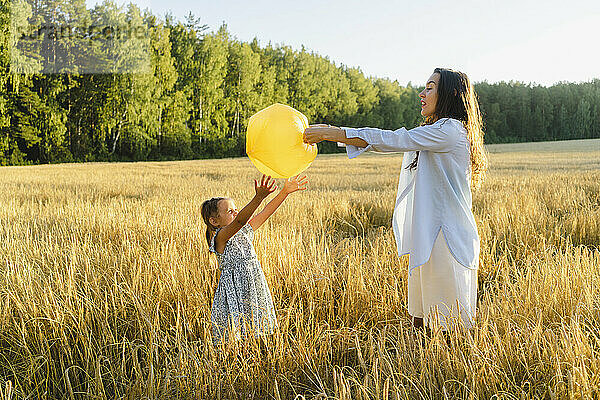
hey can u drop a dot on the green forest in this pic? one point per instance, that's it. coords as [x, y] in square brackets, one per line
[200, 87]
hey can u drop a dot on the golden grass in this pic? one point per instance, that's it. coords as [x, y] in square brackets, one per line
[106, 284]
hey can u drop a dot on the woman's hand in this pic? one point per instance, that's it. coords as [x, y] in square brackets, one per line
[319, 132]
[266, 187]
[295, 183]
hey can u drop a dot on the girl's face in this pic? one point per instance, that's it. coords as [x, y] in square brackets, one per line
[226, 213]
[429, 95]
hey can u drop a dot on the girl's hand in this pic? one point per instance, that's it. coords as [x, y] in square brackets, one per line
[266, 187]
[295, 183]
[319, 132]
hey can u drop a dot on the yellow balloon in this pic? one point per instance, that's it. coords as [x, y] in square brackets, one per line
[274, 141]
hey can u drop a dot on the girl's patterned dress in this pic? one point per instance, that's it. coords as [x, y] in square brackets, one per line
[243, 299]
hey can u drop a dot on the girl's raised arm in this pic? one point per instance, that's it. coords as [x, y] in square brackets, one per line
[266, 187]
[291, 185]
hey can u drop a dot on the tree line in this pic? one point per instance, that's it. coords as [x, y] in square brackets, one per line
[194, 97]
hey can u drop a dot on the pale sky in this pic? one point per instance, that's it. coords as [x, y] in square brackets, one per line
[526, 40]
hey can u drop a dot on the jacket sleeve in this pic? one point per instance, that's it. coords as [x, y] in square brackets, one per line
[433, 138]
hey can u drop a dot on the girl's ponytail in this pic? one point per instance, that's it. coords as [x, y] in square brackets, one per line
[209, 233]
[210, 209]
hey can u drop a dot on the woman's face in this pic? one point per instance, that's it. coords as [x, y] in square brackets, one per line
[429, 95]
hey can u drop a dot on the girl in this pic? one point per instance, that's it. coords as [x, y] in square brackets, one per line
[242, 297]
[433, 221]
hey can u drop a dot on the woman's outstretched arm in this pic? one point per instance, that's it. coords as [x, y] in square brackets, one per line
[318, 133]
[437, 137]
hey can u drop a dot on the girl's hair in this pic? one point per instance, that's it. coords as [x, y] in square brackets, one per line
[457, 99]
[210, 208]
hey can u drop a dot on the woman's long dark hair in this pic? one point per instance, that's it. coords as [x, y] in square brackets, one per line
[457, 99]
[210, 208]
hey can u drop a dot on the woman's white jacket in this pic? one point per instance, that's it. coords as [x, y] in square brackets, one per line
[436, 195]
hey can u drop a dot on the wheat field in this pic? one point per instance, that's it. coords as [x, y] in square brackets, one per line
[106, 284]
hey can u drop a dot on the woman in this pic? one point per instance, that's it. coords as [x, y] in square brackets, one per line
[433, 221]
